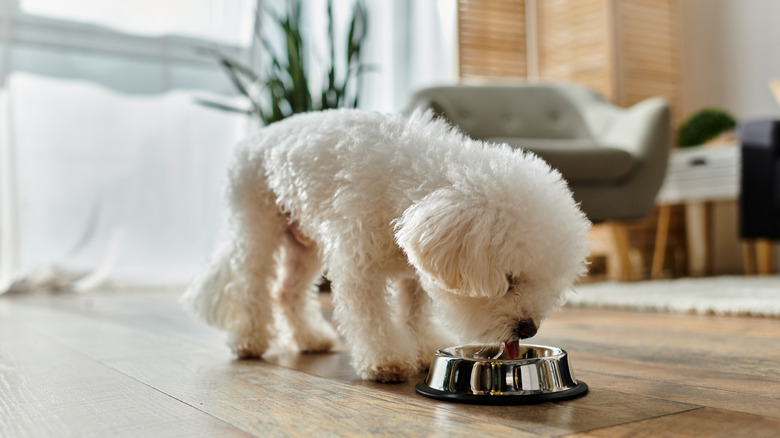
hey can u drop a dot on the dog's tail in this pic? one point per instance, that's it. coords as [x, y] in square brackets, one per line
[209, 296]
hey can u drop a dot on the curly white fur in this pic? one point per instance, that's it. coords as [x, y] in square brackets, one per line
[411, 220]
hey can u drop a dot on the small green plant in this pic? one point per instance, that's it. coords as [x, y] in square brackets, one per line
[284, 87]
[703, 126]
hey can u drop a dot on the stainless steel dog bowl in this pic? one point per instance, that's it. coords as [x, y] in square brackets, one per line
[485, 374]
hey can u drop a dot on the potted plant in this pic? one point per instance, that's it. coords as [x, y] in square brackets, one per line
[706, 126]
[284, 86]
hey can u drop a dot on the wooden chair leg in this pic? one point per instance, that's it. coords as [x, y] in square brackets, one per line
[709, 236]
[765, 256]
[611, 240]
[622, 264]
[661, 237]
[696, 230]
[749, 256]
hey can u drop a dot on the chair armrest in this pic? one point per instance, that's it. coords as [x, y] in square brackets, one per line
[430, 99]
[639, 128]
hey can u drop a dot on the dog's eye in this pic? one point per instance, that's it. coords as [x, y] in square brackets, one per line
[515, 281]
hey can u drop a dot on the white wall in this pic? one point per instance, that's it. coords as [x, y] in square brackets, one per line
[730, 51]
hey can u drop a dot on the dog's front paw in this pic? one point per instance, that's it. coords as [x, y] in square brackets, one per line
[390, 372]
[387, 368]
[247, 348]
[320, 342]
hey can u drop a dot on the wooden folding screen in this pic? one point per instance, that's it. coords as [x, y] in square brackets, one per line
[492, 39]
[625, 49]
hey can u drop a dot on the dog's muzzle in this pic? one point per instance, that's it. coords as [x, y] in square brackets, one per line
[525, 329]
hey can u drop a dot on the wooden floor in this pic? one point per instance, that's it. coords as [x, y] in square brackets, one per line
[133, 364]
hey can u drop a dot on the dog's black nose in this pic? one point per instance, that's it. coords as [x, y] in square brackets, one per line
[525, 329]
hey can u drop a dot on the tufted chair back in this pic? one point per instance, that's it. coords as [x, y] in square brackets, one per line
[613, 158]
[520, 110]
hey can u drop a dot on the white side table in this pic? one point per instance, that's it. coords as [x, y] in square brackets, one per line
[696, 177]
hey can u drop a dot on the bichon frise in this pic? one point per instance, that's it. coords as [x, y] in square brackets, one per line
[417, 226]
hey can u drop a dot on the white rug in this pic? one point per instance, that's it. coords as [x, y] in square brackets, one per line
[737, 295]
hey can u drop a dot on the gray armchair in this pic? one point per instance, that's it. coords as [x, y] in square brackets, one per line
[613, 158]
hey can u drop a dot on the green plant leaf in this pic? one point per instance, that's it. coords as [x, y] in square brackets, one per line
[222, 106]
[704, 125]
[239, 85]
[234, 65]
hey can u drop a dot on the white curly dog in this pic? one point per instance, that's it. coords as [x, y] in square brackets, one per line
[428, 237]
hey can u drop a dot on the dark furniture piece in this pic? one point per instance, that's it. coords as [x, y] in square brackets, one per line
[760, 191]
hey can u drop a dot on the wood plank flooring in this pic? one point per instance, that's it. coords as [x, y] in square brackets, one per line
[134, 364]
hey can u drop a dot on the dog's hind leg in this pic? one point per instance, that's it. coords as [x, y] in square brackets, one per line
[234, 293]
[415, 307]
[259, 228]
[303, 321]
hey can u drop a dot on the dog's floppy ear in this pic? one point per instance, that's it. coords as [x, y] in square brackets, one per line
[450, 236]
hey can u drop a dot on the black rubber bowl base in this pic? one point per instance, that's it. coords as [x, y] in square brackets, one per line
[577, 391]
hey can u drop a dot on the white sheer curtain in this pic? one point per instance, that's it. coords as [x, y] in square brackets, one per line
[109, 172]
[108, 167]
[414, 45]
